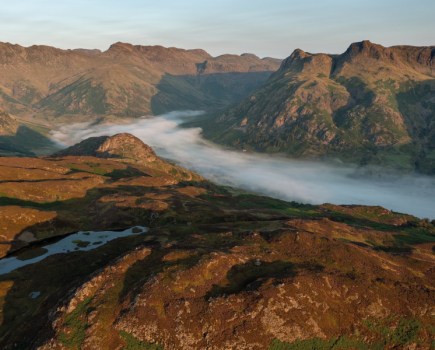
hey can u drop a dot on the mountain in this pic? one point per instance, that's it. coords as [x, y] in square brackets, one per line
[125, 80]
[214, 268]
[369, 105]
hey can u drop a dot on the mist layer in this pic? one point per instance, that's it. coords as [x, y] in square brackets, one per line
[279, 177]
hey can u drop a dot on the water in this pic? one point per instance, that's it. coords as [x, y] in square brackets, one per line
[80, 241]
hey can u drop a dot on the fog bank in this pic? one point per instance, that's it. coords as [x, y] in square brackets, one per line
[302, 181]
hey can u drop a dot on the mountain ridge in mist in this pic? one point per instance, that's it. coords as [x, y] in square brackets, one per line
[275, 176]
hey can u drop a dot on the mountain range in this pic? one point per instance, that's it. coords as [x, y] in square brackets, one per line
[369, 105]
[125, 80]
[105, 245]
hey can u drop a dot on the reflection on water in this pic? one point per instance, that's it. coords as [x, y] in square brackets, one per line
[80, 241]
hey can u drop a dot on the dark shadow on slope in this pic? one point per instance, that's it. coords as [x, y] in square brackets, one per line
[26, 142]
[251, 275]
[415, 102]
[204, 92]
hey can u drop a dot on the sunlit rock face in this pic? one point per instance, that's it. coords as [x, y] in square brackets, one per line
[124, 145]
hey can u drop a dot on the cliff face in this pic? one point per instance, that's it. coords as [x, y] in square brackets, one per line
[370, 104]
[125, 80]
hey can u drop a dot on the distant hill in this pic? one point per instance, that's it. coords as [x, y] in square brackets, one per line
[125, 80]
[369, 105]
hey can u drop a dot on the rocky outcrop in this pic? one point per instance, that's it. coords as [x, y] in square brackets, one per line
[8, 125]
[124, 146]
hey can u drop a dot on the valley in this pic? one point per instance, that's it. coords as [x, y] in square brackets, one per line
[159, 198]
[276, 176]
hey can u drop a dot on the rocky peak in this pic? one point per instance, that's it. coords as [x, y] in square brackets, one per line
[250, 55]
[367, 49]
[120, 46]
[301, 61]
[124, 146]
[294, 61]
[421, 59]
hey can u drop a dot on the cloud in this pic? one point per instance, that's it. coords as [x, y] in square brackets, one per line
[303, 181]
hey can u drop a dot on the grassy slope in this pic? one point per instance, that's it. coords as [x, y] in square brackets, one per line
[192, 220]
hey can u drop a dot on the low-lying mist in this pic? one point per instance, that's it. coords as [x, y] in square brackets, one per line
[303, 181]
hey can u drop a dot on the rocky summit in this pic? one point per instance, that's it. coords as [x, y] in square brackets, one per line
[216, 268]
[125, 146]
[369, 105]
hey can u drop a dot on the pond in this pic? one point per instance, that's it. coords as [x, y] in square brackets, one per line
[79, 241]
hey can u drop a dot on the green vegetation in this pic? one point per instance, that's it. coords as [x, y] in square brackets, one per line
[395, 334]
[406, 331]
[76, 325]
[341, 343]
[132, 343]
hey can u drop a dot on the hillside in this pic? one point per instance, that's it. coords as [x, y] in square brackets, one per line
[369, 105]
[125, 80]
[214, 267]
[19, 138]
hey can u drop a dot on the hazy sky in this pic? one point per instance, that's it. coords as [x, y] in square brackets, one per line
[264, 27]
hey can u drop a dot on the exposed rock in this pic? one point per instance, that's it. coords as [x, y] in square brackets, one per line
[8, 125]
[124, 146]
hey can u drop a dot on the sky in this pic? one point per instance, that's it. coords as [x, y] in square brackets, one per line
[263, 27]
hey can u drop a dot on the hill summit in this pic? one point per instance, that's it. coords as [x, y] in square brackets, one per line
[123, 145]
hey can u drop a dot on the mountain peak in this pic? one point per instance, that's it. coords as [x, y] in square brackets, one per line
[368, 49]
[294, 61]
[120, 46]
[123, 146]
